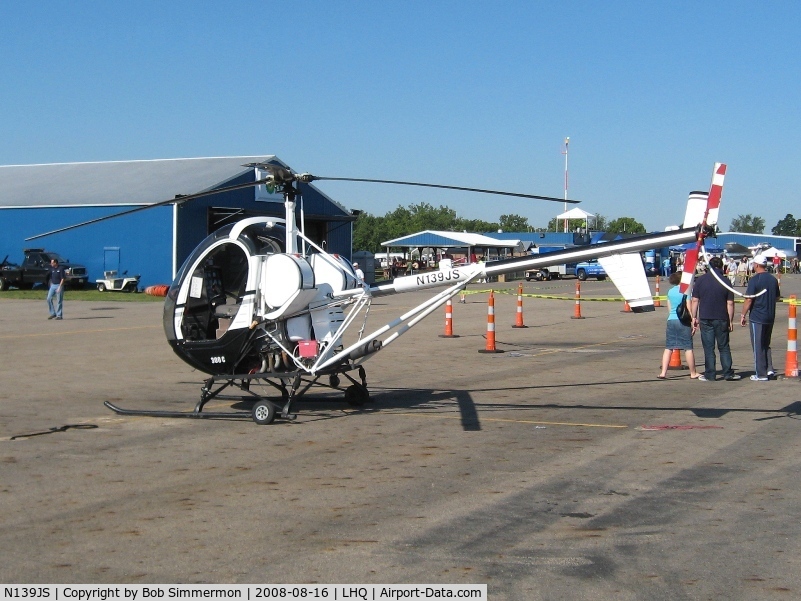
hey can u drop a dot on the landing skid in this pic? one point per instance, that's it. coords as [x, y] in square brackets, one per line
[264, 410]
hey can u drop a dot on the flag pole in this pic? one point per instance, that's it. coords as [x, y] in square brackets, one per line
[564, 152]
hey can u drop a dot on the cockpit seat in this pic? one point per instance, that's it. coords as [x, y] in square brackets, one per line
[226, 311]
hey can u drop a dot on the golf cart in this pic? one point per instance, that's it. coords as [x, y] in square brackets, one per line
[112, 282]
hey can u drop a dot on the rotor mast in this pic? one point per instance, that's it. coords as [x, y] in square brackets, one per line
[283, 179]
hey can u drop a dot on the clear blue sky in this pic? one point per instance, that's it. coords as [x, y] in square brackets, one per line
[477, 94]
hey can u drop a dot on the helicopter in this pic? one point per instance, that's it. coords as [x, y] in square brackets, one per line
[259, 302]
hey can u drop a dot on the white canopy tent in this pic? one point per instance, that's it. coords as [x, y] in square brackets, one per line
[770, 253]
[574, 213]
[493, 248]
[773, 252]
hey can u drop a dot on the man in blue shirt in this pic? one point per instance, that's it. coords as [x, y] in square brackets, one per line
[56, 277]
[713, 314]
[763, 313]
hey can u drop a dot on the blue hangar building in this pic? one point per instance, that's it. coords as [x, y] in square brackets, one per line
[35, 199]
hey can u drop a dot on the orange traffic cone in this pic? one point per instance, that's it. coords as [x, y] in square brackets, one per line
[791, 363]
[490, 348]
[626, 308]
[657, 302]
[577, 310]
[519, 317]
[675, 360]
[448, 320]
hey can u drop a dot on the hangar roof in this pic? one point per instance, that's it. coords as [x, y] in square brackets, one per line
[117, 183]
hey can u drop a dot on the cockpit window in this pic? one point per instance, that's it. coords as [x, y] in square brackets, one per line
[216, 287]
[217, 282]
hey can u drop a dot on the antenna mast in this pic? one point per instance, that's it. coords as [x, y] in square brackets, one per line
[564, 152]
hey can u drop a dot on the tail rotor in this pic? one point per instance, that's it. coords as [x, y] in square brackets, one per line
[706, 226]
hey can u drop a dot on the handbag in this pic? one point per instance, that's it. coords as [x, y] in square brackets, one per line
[683, 313]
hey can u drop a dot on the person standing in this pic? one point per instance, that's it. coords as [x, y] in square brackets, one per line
[56, 277]
[731, 270]
[359, 273]
[761, 311]
[742, 272]
[713, 314]
[677, 335]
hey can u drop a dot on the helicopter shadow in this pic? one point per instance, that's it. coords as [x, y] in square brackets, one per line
[460, 402]
[321, 407]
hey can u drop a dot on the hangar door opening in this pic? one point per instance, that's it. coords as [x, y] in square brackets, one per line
[316, 229]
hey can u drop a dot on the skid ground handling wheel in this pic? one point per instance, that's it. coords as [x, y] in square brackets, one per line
[264, 411]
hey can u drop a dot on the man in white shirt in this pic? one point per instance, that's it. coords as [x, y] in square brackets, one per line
[742, 272]
[731, 270]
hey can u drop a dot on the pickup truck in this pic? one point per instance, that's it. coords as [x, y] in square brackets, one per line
[553, 272]
[590, 269]
[34, 270]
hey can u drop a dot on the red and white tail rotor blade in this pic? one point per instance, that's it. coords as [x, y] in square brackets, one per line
[688, 271]
[715, 193]
[710, 219]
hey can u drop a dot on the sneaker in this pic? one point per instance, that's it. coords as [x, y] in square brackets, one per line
[771, 373]
[52, 317]
[734, 377]
[756, 378]
[702, 378]
[60, 318]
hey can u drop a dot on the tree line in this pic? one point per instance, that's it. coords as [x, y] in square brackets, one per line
[789, 226]
[369, 231]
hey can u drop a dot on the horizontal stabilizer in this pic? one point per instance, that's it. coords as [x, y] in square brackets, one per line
[628, 274]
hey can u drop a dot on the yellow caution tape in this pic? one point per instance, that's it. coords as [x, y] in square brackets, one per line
[513, 292]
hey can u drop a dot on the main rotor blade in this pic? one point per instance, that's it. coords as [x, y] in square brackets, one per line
[177, 199]
[284, 176]
[388, 181]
